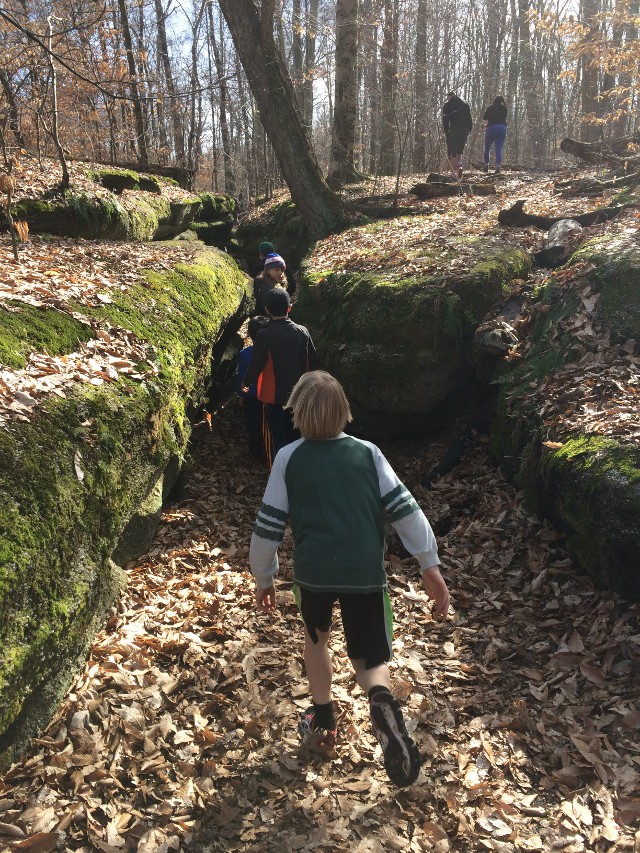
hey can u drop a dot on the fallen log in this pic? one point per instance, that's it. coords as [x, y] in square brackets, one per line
[515, 215]
[596, 152]
[439, 189]
[592, 186]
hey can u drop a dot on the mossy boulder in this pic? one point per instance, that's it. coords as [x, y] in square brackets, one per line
[586, 482]
[217, 208]
[118, 180]
[81, 469]
[280, 224]
[400, 344]
[139, 217]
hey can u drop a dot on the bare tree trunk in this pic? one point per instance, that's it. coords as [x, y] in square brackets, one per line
[341, 165]
[388, 58]
[133, 84]
[296, 53]
[589, 105]
[14, 115]
[64, 184]
[229, 183]
[271, 86]
[529, 85]
[420, 89]
[310, 62]
[174, 106]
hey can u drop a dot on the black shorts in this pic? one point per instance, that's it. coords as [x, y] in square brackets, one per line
[455, 143]
[366, 620]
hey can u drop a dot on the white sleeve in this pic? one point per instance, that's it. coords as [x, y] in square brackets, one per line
[408, 519]
[269, 528]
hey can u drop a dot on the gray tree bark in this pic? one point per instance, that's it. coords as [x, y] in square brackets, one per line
[271, 86]
[341, 165]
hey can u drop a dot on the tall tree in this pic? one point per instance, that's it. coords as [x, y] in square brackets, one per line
[136, 100]
[420, 89]
[389, 60]
[341, 165]
[310, 62]
[252, 32]
[589, 71]
[229, 182]
[174, 106]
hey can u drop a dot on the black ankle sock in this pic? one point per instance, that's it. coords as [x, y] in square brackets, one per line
[378, 688]
[324, 716]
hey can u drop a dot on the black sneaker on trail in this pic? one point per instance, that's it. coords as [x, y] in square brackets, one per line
[316, 737]
[401, 756]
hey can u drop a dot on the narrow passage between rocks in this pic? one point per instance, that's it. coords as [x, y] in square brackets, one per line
[180, 733]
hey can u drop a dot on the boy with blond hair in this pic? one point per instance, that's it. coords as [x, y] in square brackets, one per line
[334, 489]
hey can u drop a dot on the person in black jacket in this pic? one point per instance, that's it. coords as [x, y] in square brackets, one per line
[457, 123]
[282, 352]
[495, 131]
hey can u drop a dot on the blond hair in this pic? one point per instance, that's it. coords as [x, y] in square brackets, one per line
[320, 407]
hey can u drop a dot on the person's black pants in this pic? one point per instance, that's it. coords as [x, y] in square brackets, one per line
[280, 426]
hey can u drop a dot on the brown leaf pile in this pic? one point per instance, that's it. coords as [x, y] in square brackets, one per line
[180, 734]
[53, 273]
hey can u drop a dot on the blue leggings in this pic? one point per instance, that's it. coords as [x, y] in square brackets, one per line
[495, 134]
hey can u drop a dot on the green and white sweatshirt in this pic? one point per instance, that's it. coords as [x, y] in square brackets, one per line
[335, 494]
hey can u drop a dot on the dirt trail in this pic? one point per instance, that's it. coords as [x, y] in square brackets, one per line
[180, 734]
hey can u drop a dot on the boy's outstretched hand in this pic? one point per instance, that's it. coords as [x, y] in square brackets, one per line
[266, 598]
[436, 589]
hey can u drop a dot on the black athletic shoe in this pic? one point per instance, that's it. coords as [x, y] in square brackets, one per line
[313, 735]
[401, 756]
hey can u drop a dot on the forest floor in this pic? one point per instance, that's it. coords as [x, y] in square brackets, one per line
[180, 732]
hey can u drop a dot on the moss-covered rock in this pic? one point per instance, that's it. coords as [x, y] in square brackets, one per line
[134, 217]
[73, 477]
[586, 483]
[280, 224]
[25, 329]
[217, 208]
[399, 345]
[213, 233]
[616, 262]
[118, 180]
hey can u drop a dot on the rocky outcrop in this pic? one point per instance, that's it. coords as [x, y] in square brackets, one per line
[81, 481]
[215, 220]
[140, 216]
[567, 427]
[399, 344]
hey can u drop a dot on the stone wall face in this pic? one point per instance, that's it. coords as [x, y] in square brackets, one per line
[401, 347]
[86, 468]
[578, 460]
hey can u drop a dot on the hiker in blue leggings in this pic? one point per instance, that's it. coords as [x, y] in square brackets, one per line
[495, 131]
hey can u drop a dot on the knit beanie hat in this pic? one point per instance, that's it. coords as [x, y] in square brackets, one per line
[277, 302]
[273, 260]
[266, 248]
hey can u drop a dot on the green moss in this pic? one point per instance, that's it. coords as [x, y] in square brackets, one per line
[135, 218]
[217, 207]
[282, 225]
[400, 343]
[118, 180]
[616, 260]
[57, 529]
[29, 329]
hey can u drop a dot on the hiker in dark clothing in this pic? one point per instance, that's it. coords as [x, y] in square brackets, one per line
[456, 120]
[282, 352]
[495, 132]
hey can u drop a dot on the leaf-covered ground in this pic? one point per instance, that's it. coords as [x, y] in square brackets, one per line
[180, 734]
